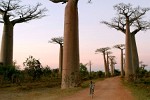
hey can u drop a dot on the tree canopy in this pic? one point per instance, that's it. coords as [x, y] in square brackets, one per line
[14, 12]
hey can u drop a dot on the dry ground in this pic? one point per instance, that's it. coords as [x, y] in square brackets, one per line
[109, 89]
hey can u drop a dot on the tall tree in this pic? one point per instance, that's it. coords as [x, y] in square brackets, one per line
[12, 13]
[107, 60]
[112, 62]
[59, 41]
[70, 71]
[121, 47]
[128, 19]
[103, 51]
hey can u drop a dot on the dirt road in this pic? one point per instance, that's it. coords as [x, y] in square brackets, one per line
[109, 89]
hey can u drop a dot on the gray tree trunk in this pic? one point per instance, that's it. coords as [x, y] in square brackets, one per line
[128, 52]
[122, 69]
[112, 68]
[60, 59]
[105, 65]
[135, 57]
[7, 44]
[70, 72]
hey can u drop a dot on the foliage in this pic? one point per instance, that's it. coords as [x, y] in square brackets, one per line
[55, 73]
[33, 67]
[116, 72]
[84, 72]
[140, 88]
[142, 73]
[9, 74]
[100, 74]
[46, 71]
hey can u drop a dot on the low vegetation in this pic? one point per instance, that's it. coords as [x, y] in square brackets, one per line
[35, 76]
[141, 87]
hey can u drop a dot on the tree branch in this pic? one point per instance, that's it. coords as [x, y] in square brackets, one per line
[29, 14]
[58, 1]
[115, 25]
[58, 40]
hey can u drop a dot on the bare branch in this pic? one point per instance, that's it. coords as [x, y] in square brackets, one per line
[58, 1]
[119, 46]
[15, 13]
[138, 13]
[108, 52]
[133, 14]
[102, 50]
[29, 14]
[117, 24]
[58, 40]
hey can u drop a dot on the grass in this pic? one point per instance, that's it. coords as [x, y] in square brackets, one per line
[140, 89]
[39, 90]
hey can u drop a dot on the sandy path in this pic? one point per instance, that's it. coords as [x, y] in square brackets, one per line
[109, 89]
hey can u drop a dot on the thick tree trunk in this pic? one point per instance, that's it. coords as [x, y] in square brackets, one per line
[70, 72]
[128, 53]
[60, 59]
[135, 57]
[90, 68]
[112, 68]
[122, 69]
[105, 65]
[6, 57]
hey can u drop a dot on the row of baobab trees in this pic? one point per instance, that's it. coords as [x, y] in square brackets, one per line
[110, 60]
[127, 18]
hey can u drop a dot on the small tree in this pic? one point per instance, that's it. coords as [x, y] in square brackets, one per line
[83, 71]
[59, 41]
[34, 68]
[13, 13]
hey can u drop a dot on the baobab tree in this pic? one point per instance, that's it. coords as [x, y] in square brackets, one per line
[59, 41]
[70, 71]
[129, 21]
[121, 47]
[107, 60]
[112, 62]
[13, 13]
[103, 51]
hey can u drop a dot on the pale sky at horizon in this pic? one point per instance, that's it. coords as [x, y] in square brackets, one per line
[32, 38]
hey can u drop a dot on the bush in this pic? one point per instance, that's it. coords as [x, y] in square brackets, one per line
[9, 74]
[33, 68]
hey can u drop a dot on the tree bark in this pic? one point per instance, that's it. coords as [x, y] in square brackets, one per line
[70, 72]
[105, 65]
[112, 67]
[135, 57]
[122, 69]
[128, 52]
[60, 59]
[7, 44]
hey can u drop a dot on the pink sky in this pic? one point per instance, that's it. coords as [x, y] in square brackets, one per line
[32, 38]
